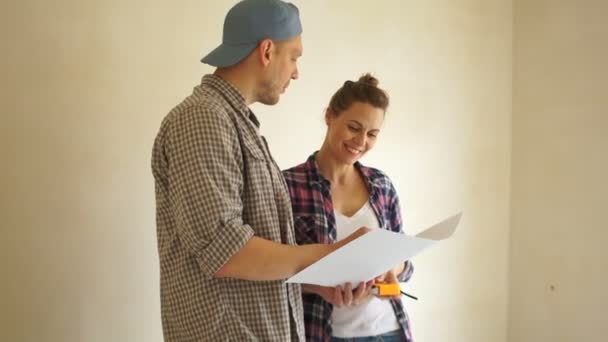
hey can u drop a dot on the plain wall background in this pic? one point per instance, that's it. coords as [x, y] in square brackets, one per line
[86, 84]
[559, 260]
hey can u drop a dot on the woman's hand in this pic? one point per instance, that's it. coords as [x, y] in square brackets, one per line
[341, 296]
[389, 277]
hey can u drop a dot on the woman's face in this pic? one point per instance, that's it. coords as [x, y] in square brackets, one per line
[353, 132]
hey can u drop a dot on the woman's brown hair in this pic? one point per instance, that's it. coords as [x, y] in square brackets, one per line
[364, 90]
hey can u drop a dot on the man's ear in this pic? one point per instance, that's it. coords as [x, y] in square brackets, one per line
[264, 50]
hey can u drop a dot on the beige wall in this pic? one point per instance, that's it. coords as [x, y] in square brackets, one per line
[559, 260]
[86, 84]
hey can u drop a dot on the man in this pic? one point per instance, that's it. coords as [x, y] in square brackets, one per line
[224, 222]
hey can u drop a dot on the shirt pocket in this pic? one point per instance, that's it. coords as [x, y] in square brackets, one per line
[309, 229]
[253, 149]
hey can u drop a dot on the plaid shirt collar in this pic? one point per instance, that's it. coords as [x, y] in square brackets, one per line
[231, 94]
[371, 178]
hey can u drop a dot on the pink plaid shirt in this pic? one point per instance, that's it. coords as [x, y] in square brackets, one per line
[315, 223]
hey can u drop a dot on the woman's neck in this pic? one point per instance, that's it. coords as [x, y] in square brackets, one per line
[335, 172]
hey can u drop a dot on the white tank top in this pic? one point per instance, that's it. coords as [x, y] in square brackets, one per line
[373, 316]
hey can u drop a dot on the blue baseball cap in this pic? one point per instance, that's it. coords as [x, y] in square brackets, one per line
[248, 23]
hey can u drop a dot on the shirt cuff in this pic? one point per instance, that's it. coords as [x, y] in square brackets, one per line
[228, 241]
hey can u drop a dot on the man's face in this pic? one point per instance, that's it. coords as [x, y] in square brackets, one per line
[282, 69]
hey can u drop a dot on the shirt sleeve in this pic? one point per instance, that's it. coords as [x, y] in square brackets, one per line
[397, 226]
[206, 182]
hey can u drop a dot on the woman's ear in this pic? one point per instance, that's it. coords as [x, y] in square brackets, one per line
[328, 115]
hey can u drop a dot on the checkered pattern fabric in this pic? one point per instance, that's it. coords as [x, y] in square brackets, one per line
[216, 187]
[315, 223]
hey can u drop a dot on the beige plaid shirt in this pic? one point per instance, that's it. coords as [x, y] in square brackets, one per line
[216, 187]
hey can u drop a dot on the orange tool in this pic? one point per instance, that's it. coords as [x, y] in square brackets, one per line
[389, 290]
[386, 290]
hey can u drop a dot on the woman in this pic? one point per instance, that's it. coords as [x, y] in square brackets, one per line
[332, 195]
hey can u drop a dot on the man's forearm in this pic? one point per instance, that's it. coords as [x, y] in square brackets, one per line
[262, 259]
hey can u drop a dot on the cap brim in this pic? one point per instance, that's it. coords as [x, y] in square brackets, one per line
[227, 55]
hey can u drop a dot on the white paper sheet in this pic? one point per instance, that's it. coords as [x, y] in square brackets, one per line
[372, 254]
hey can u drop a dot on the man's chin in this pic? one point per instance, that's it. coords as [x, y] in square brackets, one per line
[270, 101]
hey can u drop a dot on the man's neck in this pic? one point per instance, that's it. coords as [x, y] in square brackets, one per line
[244, 85]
